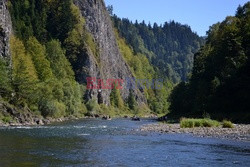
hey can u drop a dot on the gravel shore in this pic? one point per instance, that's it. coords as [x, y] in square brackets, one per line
[239, 132]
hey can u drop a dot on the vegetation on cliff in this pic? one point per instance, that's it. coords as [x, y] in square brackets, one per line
[42, 78]
[169, 48]
[143, 69]
[51, 44]
[48, 49]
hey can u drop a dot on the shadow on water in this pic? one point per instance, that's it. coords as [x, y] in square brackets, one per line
[26, 150]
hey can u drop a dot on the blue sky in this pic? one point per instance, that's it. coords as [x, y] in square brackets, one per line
[199, 14]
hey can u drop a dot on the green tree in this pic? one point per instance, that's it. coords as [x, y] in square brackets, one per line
[24, 73]
[38, 54]
[115, 98]
[170, 48]
[5, 79]
[220, 80]
[131, 101]
[60, 65]
[18, 54]
[60, 19]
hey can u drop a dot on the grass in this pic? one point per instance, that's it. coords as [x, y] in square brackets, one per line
[191, 123]
[227, 124]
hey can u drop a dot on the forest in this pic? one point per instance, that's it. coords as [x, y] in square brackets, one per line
[220, 82]
[46, 56]
[202, 77]
[42, 78]
[170, 48]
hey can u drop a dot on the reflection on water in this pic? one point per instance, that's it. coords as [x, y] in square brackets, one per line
[113, 143]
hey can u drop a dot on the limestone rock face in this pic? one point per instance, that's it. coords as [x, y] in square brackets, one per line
[111, 64]
[5, 30]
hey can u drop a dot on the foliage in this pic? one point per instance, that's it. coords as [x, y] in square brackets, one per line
[61, 67]
[43, 78]
[61, 19]
[142, 111]
[38, 55]
[191, 123]
[5, 79]
[29, 18]
[54, 97]
[220, 77]
[50, 108]
[227, 124]
[170, 48]
[108, 110]
[138, 63]
[143, 69]
[131, 101]
[24, 73]
[51, 45]
[92, 105]
[7, 119]
[115, 98]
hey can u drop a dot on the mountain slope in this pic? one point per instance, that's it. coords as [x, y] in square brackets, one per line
[170, 48]
[220, 79]
[54, 44]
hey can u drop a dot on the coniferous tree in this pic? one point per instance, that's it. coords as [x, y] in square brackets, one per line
[220, 81]
[5, 78]
[59, 64]
[38, 54]
[115, 98]
[131, 101]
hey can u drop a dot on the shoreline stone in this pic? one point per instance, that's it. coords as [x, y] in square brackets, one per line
[239, 132]
[38, 121]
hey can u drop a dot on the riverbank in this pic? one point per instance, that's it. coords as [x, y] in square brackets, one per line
[239, 132]
[23, 116]
[33, 121]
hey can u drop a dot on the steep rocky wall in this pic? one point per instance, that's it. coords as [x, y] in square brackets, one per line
[5, 30]
[112, 64]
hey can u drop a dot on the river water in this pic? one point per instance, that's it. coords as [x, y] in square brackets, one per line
[91, 142]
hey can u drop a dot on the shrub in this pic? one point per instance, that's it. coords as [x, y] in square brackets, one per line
[50, 108]
[104, 110]
[209, 123]
[227, 124]
[142, 110]
[92, 106]
[187, 123]
[198, 123]
[115, 98]
[191, 123]
[59, 111]
[6, 119]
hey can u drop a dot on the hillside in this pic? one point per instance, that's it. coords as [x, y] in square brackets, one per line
[219, 86]
[53, 48]
[169, 47]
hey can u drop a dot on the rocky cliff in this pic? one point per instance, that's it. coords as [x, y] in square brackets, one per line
[5, 30]
[111, 63]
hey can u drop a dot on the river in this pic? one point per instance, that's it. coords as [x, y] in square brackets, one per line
[92, 142]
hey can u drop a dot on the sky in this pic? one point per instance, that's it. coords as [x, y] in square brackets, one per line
[199, 14]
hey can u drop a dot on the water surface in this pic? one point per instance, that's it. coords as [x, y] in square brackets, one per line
[114, 143]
